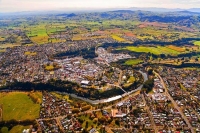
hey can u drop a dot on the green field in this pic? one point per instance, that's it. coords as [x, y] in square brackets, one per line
[18, 106]
[3, 130]
[40, 33]
[133, 62]
[117, 38]
[197, 43]
[143, 49]
[15, 129]
[91, 122]
[129, 82]
[154, 50]
[2, 50]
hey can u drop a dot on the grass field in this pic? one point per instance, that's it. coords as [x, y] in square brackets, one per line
[117, 38]
[130, 81]
[65, 97]
[197, 43]
[166, 50]
[133, 62]
[179, 49]
[9, 45]
[18, 106]
[4, 130]
[30, 53]
[2, 50]
[91, 123]
[172, 50]
[38, 34]
[18, 129]
[143, 49]
[15, 129]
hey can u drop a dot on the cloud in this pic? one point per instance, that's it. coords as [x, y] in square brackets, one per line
[29, 5]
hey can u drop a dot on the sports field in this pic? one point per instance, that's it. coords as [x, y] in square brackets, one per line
[19, 106]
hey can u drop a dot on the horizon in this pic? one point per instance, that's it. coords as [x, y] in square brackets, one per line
[11, 6]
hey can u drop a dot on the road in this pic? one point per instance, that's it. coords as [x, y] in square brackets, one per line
[60, 125]
[175, 104]
[191, 96]
[120, 77]
[1, 114]
[150, 115]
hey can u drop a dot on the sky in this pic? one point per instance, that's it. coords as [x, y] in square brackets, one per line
[42, 5]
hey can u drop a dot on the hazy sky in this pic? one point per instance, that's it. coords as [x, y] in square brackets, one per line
[30, 5]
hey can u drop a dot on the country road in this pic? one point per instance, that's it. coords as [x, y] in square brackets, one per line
[175, 104]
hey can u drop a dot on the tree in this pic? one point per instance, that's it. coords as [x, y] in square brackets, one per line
[117, 122]
[86, 124]
[148, 85]
[150, 72]
[75, 110]
[84, 131]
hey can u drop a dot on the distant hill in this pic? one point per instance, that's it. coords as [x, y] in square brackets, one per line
[68, 11]
[194, 10]
[154, 9]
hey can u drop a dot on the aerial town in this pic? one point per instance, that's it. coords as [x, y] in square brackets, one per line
[120, 71]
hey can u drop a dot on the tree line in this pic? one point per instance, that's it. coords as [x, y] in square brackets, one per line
[87, 53]
[179, 42]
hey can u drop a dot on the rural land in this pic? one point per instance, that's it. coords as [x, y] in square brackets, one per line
[100, 72]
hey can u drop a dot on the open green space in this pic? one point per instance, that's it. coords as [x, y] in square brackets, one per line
[3, 130]
[118, 38]
[197, 43]
[133, 62]
[91, 120]
[18, 129]
[2, 50]
[157, 50]
[167, 50]
[15, 129]
[129, 82]
[18, 106]
[143, 49]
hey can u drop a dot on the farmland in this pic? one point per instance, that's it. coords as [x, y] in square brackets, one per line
[175, 48]
[117, 38]
[19, 106]
[133, 62]
[157, 50]
[197, 43]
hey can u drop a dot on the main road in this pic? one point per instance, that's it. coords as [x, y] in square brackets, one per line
[175, 104]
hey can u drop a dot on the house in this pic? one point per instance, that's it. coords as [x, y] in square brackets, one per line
[85, 82]
[93, 130]
[26, 131]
